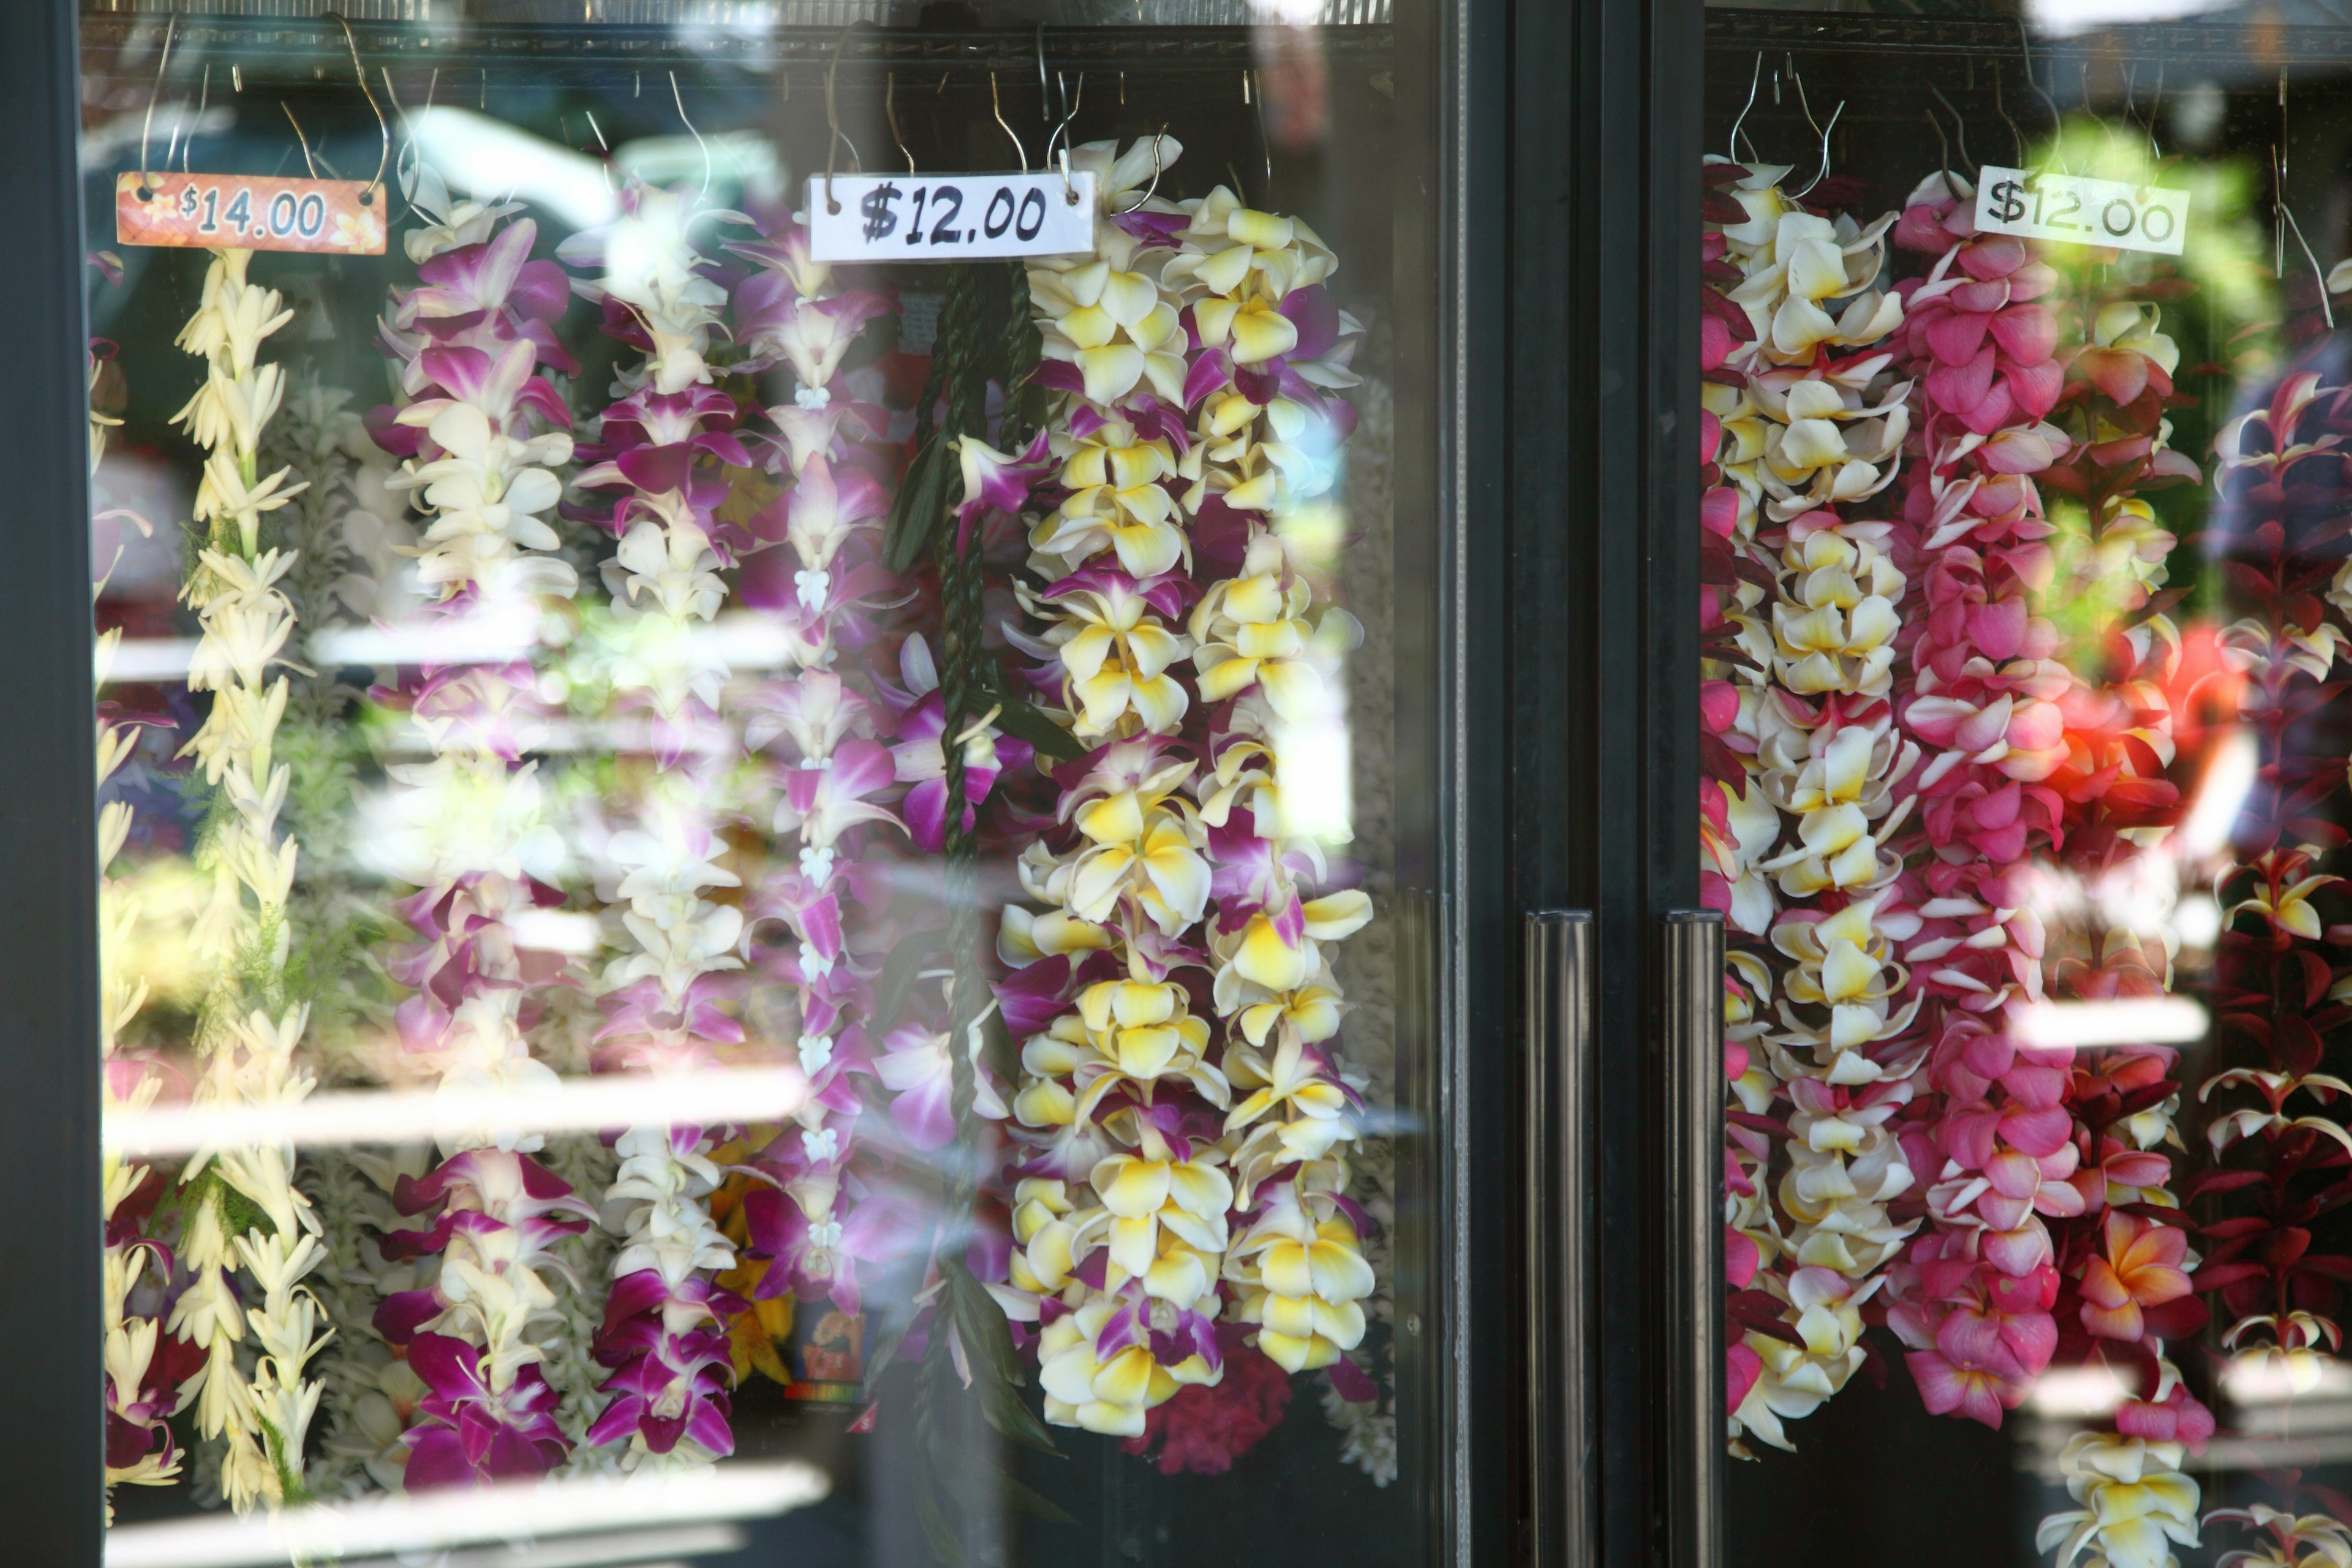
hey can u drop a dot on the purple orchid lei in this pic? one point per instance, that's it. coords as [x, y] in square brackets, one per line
[484, 434]
[1176, 1171]
[825, 742]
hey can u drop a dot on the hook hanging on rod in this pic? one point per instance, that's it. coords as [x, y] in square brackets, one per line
[1960, 128]
[383, 129]
[1823, 131]
[833, 122]
[678, 98]
[163, 63]
[1045, 105]
[890, 112]
[185, 146]
[1156, 167]
[1062, 134]
[307, 162]
[997, 106]
[2016, 135]
[1755, 76]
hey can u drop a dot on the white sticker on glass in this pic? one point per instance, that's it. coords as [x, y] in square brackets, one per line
[951, 218]
[2076, 210]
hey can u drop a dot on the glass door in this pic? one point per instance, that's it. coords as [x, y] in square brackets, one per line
[2023, 615]
[757, 896]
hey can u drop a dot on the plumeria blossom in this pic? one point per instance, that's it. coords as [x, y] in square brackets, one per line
[2137, 1503]
[1179, 1169]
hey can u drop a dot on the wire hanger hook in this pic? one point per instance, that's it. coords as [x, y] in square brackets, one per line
[675, 97]
[890, 112]
[1156, 167]
[833, 122]
[162, 62]
[1755, 78]
[382, 128]
[1062, 134]
[1823, 131]
[997, 105]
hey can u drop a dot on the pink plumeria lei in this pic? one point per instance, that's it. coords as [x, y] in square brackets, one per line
[1808, 419]
[1177, 1172]
[662, 992]
[484, 436]
[2050, 1234]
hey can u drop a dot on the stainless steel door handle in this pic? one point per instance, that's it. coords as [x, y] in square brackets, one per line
[1690, 1030]
[1562, 1394]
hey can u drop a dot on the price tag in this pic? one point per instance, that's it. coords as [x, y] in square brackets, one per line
[2080, 211]
[951, 217]
[244, 212]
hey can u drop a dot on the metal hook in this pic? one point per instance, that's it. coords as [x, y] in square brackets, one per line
[382, 129]
[1044, 108]
[1823, 130]
[2025, 50]
[675, 98]
[833, 121]
[1960, 126]
[1155, 173]
[1943, 149]
[2278, 168]
[307, 162]
[996, 104]
[163, 61]
[2015, 135]
[186, 149]
[1754, 77]
[1062, 134]
[890, 112]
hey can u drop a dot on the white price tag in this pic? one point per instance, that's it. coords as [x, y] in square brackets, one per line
[2080, 211]
[951, 218]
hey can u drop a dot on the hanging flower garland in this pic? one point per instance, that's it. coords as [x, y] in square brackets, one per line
[1170, 1183]
[662, 1335]
[148, 1372]
[2051, 1231]
[1801, 617]
[2278, 991]
[242, 1208]
[803, 1226]
[483, 435]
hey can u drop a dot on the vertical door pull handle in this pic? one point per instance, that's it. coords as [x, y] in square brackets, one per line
[1691, 1025]
[1563, 1398]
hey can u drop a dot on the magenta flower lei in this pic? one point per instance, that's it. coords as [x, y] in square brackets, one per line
[662, 993]
[813, 1220]
[2053, 1234]
[1177, 1172]
[484, 433]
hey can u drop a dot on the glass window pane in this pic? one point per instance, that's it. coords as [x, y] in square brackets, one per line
[751, 842]
[2026, 778]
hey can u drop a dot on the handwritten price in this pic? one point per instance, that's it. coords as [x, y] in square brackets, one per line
[954, 218]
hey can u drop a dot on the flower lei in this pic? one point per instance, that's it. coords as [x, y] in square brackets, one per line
[1809, 419]
[483, 434]
[2276, 992]
[661, 1337]
[2052, 1230]
[1151, 1200]
[805, 1232]
[147, 1372]
[241, 1206]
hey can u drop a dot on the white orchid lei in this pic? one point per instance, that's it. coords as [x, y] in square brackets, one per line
[1808, 417]
[1168, 1182]
[242, 1208]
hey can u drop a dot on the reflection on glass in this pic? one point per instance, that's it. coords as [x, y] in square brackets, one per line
[741, 889]
[2026, 794]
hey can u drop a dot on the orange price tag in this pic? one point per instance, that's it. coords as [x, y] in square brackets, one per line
[244, 212]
